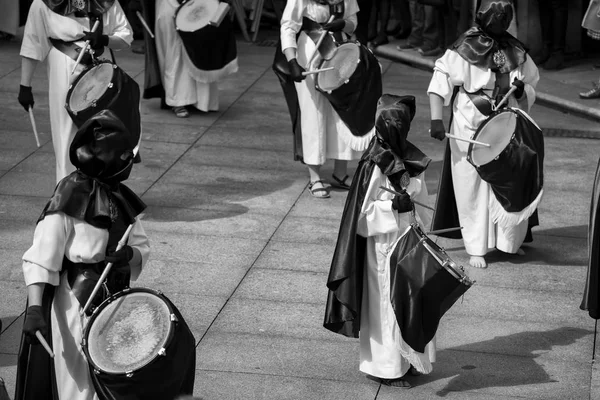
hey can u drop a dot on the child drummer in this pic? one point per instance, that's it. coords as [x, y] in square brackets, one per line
[373, 219]
[75, 236]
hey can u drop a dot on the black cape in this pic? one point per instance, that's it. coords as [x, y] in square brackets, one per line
[591, 292]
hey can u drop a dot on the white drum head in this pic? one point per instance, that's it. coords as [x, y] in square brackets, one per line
[195, 14]
[497, 132]
[91, 87]
[344, 61]
[129, 332]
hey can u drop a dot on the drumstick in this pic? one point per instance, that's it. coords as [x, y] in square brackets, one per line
[511, 91]
[32, 119]
[38, 335]
[143, 21]
[316, 71]
[458, 228]
[106, 271]
[321, 38]
[400, 194]
[467, 140]
[85, 47]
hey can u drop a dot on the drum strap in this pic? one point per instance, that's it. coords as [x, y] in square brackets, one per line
[70, 49]
[481, 101]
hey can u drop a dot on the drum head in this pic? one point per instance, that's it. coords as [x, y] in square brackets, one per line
[195, 14]
[129, 332]
[497, 131]
[91, 86]
[345, 60]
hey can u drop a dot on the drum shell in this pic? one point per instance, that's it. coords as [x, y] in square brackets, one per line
[122, 98]
[170, 375]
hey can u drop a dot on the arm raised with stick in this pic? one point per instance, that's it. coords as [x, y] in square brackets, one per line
[85, 48]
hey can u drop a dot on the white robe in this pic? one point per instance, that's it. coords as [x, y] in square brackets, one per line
[43, 24]
[324, 134]
[480, 233]
[383, 352]
[59, 235]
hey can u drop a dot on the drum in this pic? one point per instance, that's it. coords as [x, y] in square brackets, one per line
[136, 342]
[103, 86]
[424, 283]
[513, 164]
[193, 15]
[353, 87]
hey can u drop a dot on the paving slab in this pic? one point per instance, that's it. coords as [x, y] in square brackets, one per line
[249, 138]
[8, 372]
[321, 230]
[274, 161]
[309, 257]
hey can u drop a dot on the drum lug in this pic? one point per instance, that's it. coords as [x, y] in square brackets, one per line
[93, 104]
[96, 371]
[110, 85]
[114, 66]
[129, 374]
[174, 318]
[162, 352]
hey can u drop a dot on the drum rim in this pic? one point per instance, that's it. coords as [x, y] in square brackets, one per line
[322, 65]
[480, 128]
[110, 299]
[184, 4]
[73, 85]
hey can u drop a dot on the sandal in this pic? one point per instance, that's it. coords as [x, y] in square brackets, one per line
[396, 382]
[181, 112]
[319, 193]
[340, 183]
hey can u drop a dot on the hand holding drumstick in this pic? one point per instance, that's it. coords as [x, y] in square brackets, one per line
[86, 47]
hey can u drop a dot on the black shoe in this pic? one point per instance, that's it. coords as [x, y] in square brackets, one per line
[542, 57]
[593, 93]
[555, 62]
[379, 40]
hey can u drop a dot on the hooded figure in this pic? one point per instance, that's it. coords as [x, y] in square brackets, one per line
[480, 69]
[75, 236]
[359, 297]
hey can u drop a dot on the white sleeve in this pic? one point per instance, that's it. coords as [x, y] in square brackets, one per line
[449, 71]
[139, 240]
[291, 22]
[36, 43]
[350, 11]
[43, 261]
[528, 73]
[376, 215]
[119, 25]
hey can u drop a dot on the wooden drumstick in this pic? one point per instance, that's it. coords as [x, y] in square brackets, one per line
[316, 71]
[143, 21]
[45, 344]
[400, 194]
[467, 140]
[85, 47]
[105, 272]
[32, 119]
[505, 98]
[321, 38]
[436, 232]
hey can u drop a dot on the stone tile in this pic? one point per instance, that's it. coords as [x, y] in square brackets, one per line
[284, 286]
[250, 137]
[308, 230]
[10, 269]
[280, 356]
[308, 257]
[8, 372]
[17, 293]
[10, 340]
[273, 161]
[256, 386]
[172, 132]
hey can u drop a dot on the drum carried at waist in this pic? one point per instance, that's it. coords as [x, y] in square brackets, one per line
[513, 164]
[424, 283]
[105, 86]
[208, 38]
[138, 346]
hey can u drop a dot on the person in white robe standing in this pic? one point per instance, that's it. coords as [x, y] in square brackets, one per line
[75, 237]
[65, 24]
[324, 134]
[373, 221]
[485, 62]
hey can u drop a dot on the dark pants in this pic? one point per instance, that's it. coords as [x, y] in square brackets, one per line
[427, 26]
[363, 17]
[553, 21]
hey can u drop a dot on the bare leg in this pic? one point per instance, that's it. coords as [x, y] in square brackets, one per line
[316, 186]
[478, 262]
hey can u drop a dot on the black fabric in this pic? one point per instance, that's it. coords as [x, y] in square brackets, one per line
[24, 6]
[169, 376]
[591, 292]
[71, 50]
[153, 86]
[123, 99]
[421, 290]
[516, 176]
[92, 7]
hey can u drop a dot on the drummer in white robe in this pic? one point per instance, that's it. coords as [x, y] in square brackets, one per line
[473, 64]
[324, 134]
[66, 23]
[62, 242]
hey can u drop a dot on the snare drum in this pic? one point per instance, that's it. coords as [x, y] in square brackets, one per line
[353, 87]
[424, 283]
[513, 164]
[105, 86]
[137, 342]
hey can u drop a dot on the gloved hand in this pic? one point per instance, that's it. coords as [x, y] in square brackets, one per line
[120, 258]
[337, 25]
[402, 203]
[437, 130]
[296, 70]
[97, 39]
[34, 321]
[25, 97]
[520, 88]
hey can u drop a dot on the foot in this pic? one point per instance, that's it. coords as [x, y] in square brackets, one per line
[593, 93]
[138, 49]
[318, 189]
[342, 183]
[426, 52]
[520, 252]
[413, 371]
[477, 262]
[379, 40]
[542, 57]
[181, 112]
[407, 46]
[398, 382]
[555, 62]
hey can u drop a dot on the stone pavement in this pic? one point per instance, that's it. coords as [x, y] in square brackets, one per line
[243, 250]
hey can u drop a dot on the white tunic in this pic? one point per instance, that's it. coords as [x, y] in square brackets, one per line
[383, 352]
[323, 131]
[480, 233]
[59, 235]
[43, 24]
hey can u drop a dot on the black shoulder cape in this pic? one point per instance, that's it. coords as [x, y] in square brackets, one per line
[64, 7]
